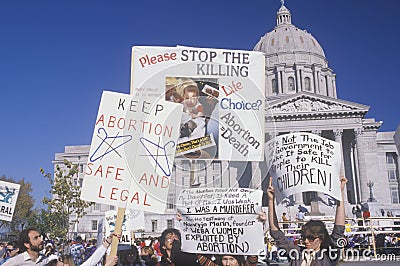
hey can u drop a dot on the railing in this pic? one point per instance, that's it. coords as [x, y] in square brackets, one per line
[370, 228]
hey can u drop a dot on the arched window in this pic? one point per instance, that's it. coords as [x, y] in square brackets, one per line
[291, 86]
[307, 84]
[274, 86]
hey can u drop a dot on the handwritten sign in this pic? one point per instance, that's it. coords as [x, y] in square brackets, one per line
[304, 162]
[221, 220]
[132, 221]
[132, 151]
[8, 199]
[222, 94]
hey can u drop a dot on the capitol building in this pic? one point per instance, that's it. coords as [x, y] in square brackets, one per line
[301, 96]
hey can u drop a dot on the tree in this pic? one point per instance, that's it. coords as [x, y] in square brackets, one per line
[23, 207]
[65, 199]
[48, 223]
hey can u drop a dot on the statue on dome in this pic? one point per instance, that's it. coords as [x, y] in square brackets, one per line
[282, 2]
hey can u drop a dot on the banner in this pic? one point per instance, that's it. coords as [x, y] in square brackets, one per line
[133, 221]
[132, 152]
[222, 93]
[304, 162]
[8, 199]
[221, 221]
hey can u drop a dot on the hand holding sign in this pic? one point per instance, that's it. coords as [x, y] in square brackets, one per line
[303, 162]
[221, 220]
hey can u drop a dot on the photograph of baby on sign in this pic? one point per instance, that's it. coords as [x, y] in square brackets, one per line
[198, 136]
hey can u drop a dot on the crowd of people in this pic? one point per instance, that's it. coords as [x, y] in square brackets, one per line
[166, 250]
[32, 249]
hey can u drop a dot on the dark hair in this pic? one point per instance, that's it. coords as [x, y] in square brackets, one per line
[24, 238]
[163, 238]
[317, 228]
[129, 256]
[13, 243]
[240, 259]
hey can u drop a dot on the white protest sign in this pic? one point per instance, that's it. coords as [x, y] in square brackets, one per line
[221, 221]
[133, 221]
[222, 93]
[132, 149]
[304, 162]
[8, 199]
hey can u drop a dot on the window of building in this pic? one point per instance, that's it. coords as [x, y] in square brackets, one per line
[291, 86]
[216, 166]
[170, 223]
[112, 207]
[171, 201]
[392, 174]
[307, 84]
[274, 86]
[391, 158]
[394, 193]
[94, 225]
[81, 168]
[153, 225]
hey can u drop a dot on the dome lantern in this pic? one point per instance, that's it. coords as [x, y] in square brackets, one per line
[283, 15]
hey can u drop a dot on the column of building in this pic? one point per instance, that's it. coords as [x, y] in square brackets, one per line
[338, 133]
[362, 167]
[354, 170]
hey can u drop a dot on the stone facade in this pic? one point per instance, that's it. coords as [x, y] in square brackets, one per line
[301, 97]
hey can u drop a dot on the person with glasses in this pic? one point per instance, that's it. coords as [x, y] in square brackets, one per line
[320, 247]
[10, 251]
[170, 244]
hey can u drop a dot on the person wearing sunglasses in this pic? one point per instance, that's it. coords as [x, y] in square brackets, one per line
[320, 247]
[11, 250]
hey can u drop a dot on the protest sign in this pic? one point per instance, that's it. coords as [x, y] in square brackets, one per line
[221, 221]
[133, 221]
[8, 199]
[304, 162]
[132, 152]
[222, 93]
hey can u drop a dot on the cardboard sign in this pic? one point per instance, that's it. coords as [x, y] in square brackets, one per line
[132, 152]
[132, 221]
[8, 199]
[222, 94]
[304, 162]
[221, 221]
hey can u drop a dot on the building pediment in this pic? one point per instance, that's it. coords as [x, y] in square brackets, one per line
[311, 104]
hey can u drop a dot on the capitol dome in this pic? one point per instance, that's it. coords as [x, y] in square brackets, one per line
[287, 38]
[295, 61]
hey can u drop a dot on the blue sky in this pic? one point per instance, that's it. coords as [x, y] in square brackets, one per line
[57, 56]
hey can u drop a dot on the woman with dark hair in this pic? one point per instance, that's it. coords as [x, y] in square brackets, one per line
[321, 248]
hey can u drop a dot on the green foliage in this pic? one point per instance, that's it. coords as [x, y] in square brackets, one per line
[65, 200]
[50, 223]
